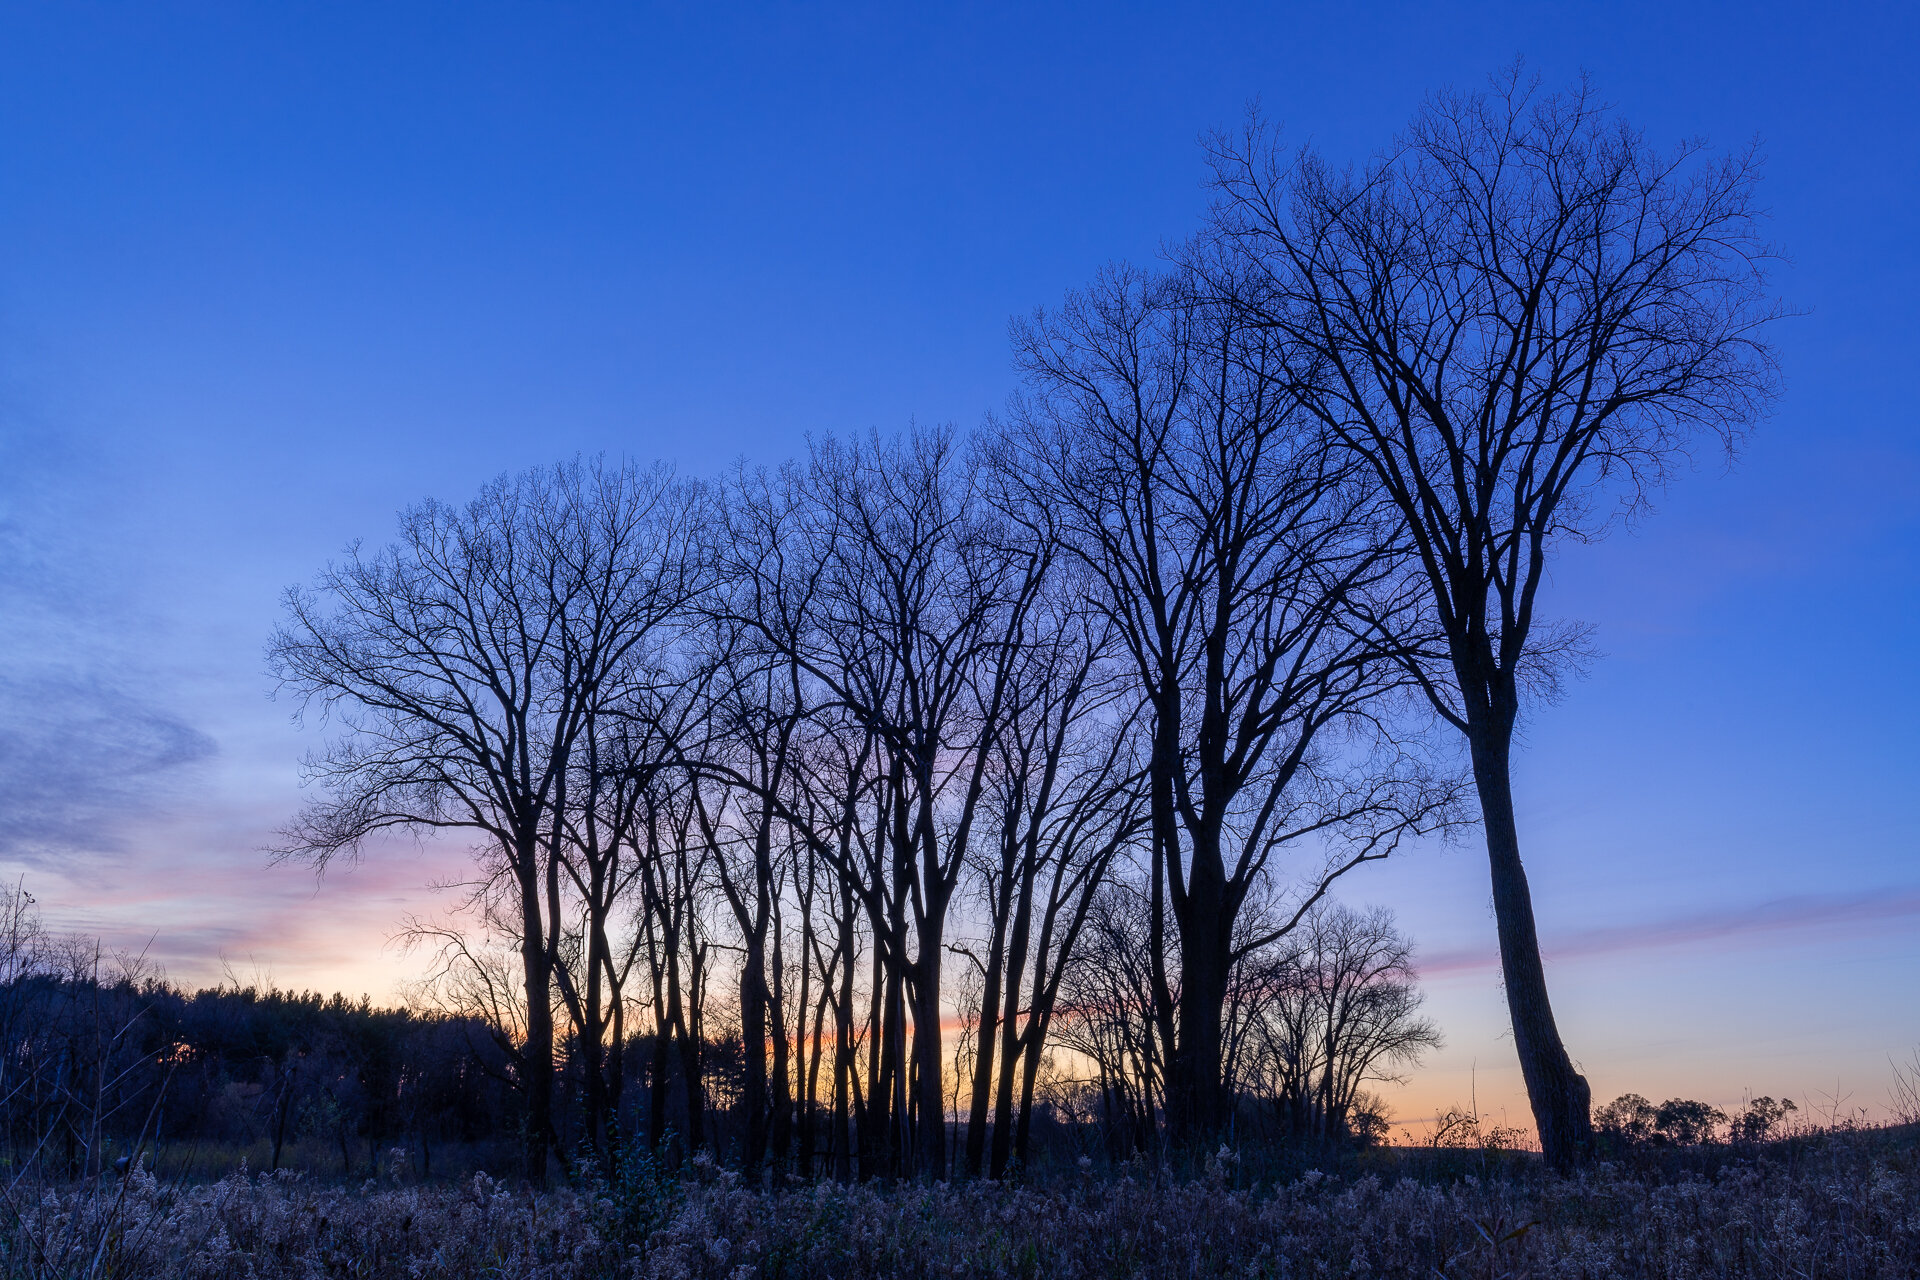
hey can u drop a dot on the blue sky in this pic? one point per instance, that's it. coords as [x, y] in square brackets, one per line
[269, 273]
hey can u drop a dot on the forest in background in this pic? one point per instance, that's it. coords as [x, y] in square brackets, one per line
[106, 1064]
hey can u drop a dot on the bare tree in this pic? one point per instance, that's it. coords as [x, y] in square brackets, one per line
[834, 792]
[773, 745]
[1518, 321]
[1235, 556]
[676, 943]
[1065, 797]
[629, 764]
[758, 710]
[1107, 1010]
[1329, 1011]
[875, 573]
[464, 664]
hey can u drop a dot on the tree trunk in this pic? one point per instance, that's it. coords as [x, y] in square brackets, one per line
[780, 1081]
[659, 1077]
[875, 1118]
[591, 1033]
[1010, 1036]
[1166, 847]
[753, 1030]
[537, 1054]
[984, 1038]
[807, 1063]
[1196, 1095]
[930, 1154]
[689, 1050]
[894, 1076]
[616, 1076]
[1023, 1131]
[844, 1112]
[692, 1046]
[1559, 1095]
[287, 1081]
[812, 1050]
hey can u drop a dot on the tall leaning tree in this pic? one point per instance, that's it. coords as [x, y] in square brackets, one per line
[462, 668]
[1521, 319]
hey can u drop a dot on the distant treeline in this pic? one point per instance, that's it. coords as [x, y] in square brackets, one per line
[100, 1065]
[103, 1062]
[99, 1069]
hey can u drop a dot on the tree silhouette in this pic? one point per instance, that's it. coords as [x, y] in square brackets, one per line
[1518, 320]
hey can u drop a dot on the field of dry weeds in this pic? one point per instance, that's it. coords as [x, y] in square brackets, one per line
[1843, 1204]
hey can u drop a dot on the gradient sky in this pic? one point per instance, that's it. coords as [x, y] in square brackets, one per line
[269, 273]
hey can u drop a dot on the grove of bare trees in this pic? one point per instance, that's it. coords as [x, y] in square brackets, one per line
[945, 771]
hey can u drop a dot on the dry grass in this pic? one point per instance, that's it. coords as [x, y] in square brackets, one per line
[1840, 1205]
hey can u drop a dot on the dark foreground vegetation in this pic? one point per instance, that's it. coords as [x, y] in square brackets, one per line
[1834, 1203]
[231, 1132]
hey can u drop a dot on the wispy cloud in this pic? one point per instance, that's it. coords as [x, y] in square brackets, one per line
[88, 743]
[1748, 925]
[79, 758]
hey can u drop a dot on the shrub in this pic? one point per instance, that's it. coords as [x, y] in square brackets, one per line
[1761, 1117]
[1686, 1123]
[1626, 1121]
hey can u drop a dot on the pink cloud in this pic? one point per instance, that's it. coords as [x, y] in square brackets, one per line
[198, 907]
[1867, 911]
